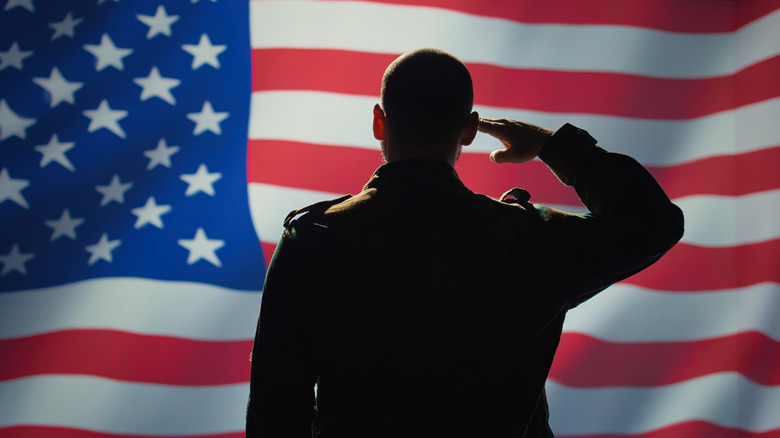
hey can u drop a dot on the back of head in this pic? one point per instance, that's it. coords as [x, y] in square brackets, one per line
[427, 96]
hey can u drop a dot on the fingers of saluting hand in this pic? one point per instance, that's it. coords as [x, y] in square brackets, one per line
[500, 156]
[494, 127]
[499, 129]
[522, 141]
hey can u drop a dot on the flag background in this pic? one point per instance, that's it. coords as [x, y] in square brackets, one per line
[150, 345]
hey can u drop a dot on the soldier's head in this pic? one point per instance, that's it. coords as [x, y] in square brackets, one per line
[426, 106]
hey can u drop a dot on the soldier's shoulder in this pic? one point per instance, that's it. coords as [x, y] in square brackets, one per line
[516, 203]
[312, 212]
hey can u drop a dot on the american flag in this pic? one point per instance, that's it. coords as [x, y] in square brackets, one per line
[130, 205]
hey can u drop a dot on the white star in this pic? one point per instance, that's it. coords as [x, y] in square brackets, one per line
[13, 57]
[11, 123]
[102, 249]
[160, 23]
[27, 4]
[14, 261]
[55, 151]
[107, 53]
[201, 247]
[64, 226]
[12, 188]
[160, 155]
[59, 89]
[201, 181]
[150, 213]
[204, 52]
[66, 27]
[105, 117]
[114, 191]
[155, 85]
[207, 119]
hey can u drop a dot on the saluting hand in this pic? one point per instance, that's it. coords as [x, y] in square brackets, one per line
[522, 141]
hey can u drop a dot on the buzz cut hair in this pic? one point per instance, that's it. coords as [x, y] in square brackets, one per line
[427, 96]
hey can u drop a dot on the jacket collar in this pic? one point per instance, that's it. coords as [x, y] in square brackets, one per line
[413, 171]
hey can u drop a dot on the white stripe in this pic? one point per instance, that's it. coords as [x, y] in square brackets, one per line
[626, 313]
[711, 221]
[103, 405]
[725, 399]
[313, 117]
[728, 221]
[758, 40]
[353, 26]
[623, 313]
[155, 307]
[345, 120]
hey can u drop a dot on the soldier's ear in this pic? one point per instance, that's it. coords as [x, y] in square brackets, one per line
[470, 131]
[380, 123]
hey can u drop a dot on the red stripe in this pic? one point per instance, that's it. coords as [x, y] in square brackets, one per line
[540, 90]
[307, 166]
[114, 354]
[688, 429]
[338, 71]
[583, 361]
[694, 268]
[690, 268]
[338, 170]
[757, 82]
[671, 15]
[729, 175]
[624, 95]
[66, 432]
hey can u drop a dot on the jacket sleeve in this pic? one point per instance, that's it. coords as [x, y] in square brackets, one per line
[631, 221]
[281, 398]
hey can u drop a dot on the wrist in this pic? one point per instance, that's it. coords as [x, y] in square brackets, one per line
[568, 139]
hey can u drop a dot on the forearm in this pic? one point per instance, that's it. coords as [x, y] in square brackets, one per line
[632, 221]
[612, 184]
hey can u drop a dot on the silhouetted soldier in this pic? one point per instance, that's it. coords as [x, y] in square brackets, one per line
[421, 309]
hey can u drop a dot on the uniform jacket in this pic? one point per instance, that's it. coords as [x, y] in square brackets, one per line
[422, 309]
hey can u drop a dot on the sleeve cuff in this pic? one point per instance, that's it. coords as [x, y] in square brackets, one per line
[567, 150]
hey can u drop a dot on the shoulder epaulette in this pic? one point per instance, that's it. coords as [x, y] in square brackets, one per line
[522, 197]
[317, 207]
[516, 196]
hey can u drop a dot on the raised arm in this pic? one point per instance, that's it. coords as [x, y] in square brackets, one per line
[631, 223]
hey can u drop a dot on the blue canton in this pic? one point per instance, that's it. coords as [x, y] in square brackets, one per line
[123, 140]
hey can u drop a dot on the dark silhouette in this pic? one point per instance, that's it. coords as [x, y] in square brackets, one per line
[421, 309]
